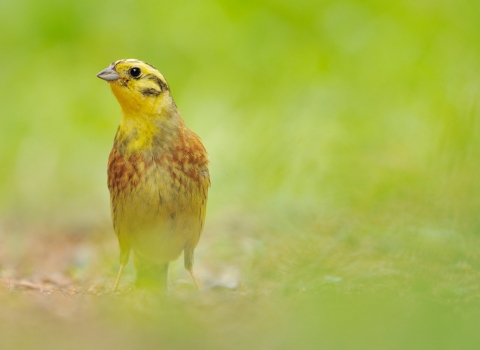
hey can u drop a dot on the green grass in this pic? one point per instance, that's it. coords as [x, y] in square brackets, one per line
[344, 140]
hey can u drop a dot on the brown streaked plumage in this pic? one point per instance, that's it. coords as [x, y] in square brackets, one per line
[157, 175]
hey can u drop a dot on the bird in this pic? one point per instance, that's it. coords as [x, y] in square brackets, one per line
[158, 176]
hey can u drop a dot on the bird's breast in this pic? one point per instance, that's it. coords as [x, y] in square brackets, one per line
[173, 178]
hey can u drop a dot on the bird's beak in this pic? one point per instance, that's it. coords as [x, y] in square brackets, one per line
[108, 74]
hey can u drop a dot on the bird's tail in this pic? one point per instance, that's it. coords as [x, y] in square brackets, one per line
[151, 275]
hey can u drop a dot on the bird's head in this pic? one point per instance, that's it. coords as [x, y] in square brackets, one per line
[138, 86]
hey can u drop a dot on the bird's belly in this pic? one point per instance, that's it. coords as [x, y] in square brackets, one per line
[155, 217]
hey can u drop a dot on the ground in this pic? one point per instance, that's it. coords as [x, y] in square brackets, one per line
[261, 287]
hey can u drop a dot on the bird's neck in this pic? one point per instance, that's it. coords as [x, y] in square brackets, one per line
[142, 132]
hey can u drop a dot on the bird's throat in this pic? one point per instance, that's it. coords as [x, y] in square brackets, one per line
[136, 133]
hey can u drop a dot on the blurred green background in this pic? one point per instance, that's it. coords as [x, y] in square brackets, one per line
[344, 146]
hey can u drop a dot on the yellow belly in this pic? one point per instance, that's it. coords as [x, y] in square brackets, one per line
[157, 210]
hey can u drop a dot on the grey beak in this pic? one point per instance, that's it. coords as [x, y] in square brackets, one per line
[108, 74]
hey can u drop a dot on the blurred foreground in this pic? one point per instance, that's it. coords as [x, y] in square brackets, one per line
[266, 289]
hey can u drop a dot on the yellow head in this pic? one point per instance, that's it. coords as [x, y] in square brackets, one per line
[139, 87]
[149, 113]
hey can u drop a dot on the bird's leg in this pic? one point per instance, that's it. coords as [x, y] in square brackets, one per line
[188, 262]
[115, 286]
[194, 279]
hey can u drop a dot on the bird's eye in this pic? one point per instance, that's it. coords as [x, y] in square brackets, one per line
[135, 72]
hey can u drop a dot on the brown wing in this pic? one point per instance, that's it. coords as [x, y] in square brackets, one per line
[196, 168]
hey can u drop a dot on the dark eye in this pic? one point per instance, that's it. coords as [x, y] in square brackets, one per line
[135, 72]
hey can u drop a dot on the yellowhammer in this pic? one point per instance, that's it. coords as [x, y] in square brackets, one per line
[157, 175]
